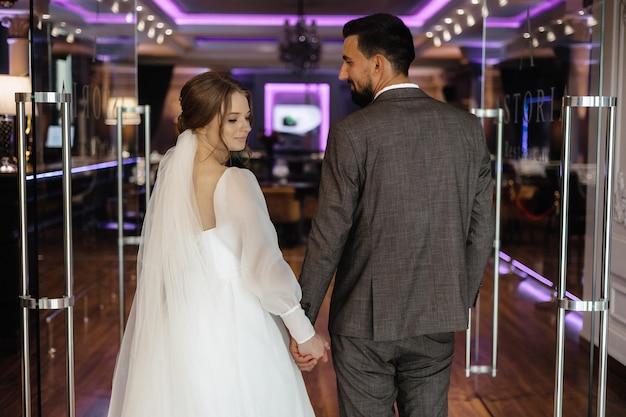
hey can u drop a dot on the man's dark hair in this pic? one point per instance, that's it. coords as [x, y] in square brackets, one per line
[384, 34]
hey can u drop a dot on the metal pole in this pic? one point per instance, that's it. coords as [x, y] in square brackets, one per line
[468, 343]
[120, 221]
[606, 263]
[147, 151]
[67, 300]
[498, 115]
[122, 240]
[68, 254]
[23, 216]
[560, 338]
[496, 246]
[593, 305]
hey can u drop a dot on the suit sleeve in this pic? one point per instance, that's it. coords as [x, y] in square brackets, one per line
[338, 197]
[482, 223]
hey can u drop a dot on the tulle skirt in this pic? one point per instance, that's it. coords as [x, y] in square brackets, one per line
[220, 354]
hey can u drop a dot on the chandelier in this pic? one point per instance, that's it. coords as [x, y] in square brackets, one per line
[7, 4]
[300, 47]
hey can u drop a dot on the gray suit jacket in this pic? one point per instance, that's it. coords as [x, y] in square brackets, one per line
[404, 219]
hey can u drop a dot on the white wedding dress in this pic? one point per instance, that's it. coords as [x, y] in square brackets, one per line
[206, 333]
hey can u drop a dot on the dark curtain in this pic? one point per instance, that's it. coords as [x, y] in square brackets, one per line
[153, 82]
[4, 51]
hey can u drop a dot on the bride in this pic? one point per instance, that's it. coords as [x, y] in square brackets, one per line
[216, 303]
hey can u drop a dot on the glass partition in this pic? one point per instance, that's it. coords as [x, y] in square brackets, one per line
[90, 52]
[87, 49]
[556, 54]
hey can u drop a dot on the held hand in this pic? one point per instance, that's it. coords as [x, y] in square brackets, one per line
[304, 363]
[315, 346]
[308, 353]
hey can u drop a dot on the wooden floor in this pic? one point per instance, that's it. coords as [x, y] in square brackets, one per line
[524, 385]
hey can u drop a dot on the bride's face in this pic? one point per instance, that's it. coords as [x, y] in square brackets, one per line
[235, 127]
[236, 123]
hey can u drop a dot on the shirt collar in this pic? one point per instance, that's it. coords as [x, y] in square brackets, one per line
[395, 86]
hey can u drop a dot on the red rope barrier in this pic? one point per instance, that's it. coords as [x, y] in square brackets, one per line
[530, 215]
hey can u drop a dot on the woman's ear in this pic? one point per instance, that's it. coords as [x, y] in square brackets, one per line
[200, 130]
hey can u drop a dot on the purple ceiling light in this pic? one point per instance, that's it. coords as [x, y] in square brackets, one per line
[181, 18]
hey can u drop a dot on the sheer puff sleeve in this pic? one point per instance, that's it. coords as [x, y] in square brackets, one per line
[240, 209]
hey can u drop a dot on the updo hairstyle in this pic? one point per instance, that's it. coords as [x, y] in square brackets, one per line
[206, 96]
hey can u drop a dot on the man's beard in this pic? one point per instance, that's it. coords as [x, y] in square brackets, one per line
[364, 97]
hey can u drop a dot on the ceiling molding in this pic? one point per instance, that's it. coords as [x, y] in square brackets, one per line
[232, 39]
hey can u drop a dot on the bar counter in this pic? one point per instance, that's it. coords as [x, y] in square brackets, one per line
[93, 194]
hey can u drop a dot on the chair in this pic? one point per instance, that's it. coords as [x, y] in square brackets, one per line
[285, 212]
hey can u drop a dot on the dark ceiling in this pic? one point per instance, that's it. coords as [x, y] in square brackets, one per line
[313, 7]
[246, 33]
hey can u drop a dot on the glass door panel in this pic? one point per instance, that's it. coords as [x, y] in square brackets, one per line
[555, 53]
[89, 51]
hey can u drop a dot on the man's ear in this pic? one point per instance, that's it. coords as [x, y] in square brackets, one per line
[382, 65]
[379, 62]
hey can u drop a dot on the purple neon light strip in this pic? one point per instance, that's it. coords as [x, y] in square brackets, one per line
[535, 291]
[532, 273]
[85, 168]
[574, 320]
[182, 18]
[505, 257]
[210, 39]
[323, 92]
[488, 44]
[541, 294]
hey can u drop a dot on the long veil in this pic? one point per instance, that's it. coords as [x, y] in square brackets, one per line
[157, 354]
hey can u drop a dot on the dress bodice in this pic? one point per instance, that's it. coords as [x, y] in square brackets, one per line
[227, 264]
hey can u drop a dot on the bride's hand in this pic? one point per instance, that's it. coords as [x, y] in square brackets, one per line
[305, 363]
[317, 347]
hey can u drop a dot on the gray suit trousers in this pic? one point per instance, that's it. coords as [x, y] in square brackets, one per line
[412, 372]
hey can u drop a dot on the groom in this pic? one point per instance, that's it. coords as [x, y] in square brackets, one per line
[405, 225]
